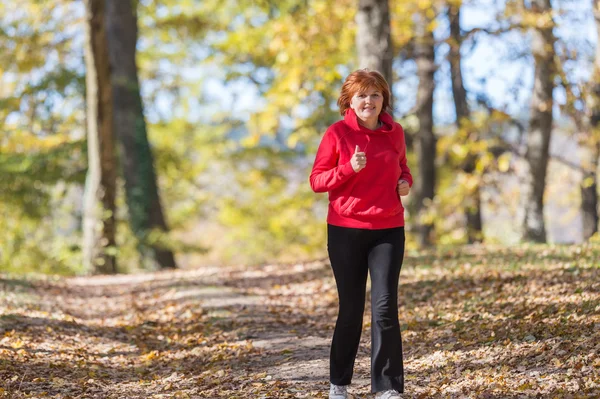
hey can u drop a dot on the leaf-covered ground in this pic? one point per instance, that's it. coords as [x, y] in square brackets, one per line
[477, 323]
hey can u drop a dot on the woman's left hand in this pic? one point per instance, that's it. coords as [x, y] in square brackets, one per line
[403, 188]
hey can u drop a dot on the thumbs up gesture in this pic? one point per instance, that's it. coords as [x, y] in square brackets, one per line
[358, 160]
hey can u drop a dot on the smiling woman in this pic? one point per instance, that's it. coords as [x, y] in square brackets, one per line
[365, 231]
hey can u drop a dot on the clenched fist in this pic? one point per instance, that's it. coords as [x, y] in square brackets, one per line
[358, 160]
[403, 188]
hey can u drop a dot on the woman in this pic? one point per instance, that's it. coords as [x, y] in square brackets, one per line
[361, 163]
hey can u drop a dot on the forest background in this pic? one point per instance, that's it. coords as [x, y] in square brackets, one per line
[176, 133]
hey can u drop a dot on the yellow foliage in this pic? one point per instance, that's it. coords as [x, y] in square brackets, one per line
[588, 182]
[504, 162]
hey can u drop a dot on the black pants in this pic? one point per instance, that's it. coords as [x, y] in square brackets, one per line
[353, 253]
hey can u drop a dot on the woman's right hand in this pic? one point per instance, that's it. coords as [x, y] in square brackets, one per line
[358, 160]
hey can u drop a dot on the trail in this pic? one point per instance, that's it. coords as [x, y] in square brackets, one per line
[477, 323]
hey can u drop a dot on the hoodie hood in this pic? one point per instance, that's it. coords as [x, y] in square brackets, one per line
[351, 119]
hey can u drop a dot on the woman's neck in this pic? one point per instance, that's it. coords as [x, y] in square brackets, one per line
[371, 125]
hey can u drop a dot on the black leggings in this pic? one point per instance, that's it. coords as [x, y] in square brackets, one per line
[353, 253]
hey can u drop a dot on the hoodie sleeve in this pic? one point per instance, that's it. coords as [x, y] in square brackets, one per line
[326, 173]
[405, 175]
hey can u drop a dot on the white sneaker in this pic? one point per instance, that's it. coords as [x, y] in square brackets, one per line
[339, 392]
[391, 394]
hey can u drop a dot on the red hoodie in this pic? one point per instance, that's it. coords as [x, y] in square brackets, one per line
[367, 199]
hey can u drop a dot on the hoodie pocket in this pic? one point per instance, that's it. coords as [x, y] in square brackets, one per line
[342, 203]
[377, 201]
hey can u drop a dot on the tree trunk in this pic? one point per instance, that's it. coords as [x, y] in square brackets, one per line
[373, 37]
[425, 141]
[143, 200]
[463, 113]
[589, 186]
[99, 208]
[540, 125]
[591, 146]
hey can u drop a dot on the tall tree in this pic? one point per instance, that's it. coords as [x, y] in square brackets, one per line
[373, 39]
[143, 199]
[425, 142]
[100, 190]
[463, 115]
[590, 145]
[540, 122]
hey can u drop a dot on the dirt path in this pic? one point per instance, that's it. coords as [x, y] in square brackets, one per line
[496, 324]
[126, 336]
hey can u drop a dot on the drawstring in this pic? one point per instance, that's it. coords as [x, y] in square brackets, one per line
[367, 146]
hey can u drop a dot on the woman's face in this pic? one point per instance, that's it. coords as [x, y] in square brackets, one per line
[367, 105]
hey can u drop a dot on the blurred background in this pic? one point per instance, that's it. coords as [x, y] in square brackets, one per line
[158, 134]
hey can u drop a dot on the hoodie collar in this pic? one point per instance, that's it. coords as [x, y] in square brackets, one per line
[387, 126]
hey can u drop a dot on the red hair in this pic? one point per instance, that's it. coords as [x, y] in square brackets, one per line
[359, 81]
